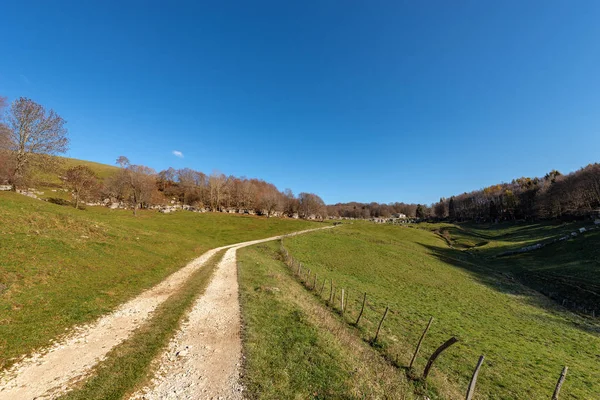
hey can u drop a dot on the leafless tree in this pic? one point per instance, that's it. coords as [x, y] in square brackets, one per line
[272, 200]
[290, 203]
[311, 205]
[4, 131]
[216, 181]
[142, 182]
[135, 184]
[6, 161]
[34, 134]
[82, 181]
[122, 161]
[439, 209]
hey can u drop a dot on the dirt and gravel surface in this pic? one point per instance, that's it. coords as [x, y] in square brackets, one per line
[213, 351]
[202, 360]
[204, 357]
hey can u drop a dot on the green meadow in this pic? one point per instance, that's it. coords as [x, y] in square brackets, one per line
[525, 337]
[60, 267]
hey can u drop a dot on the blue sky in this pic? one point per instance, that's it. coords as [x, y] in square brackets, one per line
[364, 101]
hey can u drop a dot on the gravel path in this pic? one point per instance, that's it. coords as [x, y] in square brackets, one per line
[203, 359]
[51, 371]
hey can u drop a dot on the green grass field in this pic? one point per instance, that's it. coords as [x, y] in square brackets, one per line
[566, 271]
[526, 337]
[60, 266]
[50, 185]
[295, 348]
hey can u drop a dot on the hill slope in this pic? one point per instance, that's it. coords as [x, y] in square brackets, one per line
[526, 338]
[60, 266]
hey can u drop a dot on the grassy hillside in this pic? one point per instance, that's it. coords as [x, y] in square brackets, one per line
[52, 179]
[60, 266]
[526, 338]
[566, 271]
[295, 348]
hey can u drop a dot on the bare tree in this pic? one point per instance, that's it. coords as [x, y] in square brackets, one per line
[6, 161]
[33, 131]
[311, 206]
[216, 181]
[142, 182]
[135, 184]
[439, 209]
[122, 161]
[82, 181]
[4, 131]
[272, 200]
[290, 203]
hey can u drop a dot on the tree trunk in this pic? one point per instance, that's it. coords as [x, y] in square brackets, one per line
[19, 169]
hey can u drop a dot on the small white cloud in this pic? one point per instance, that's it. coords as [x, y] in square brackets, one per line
[177, 153]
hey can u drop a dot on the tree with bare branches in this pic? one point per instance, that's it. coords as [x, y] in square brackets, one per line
[133, 184]
[34, 135]
[82, 182]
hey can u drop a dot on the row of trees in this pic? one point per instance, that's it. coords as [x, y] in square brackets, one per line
[555, 195]
[141, 186]
[30, 137]
[371, 210]
[138, 186]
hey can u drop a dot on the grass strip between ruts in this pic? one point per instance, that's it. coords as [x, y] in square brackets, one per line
[129, 365]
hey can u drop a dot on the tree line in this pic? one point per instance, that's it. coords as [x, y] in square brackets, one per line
[141, 187]
[554, 196]
[30, 137]
[371, 210]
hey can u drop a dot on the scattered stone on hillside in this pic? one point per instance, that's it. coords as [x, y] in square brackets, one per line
[27, 193]
[5, 187]
[582, 230]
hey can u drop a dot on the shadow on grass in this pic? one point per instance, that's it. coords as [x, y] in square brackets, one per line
[517, 233]
[511, 277]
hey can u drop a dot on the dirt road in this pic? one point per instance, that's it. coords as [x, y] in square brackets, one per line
[211, 336]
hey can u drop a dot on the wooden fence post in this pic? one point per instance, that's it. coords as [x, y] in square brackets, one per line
[560, 382]
[330, 291]
[308, 278]
[346, 301]
[361, 309]
[322, 287]
[471, 389]
[314, 285]
[420, 342]
[333, 299]
[342, 302]
[436, 353]
[381, 323]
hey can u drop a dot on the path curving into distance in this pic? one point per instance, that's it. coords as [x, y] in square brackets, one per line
[213, 353]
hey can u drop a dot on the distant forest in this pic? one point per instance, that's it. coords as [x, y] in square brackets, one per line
[554, 196]
[30, 135]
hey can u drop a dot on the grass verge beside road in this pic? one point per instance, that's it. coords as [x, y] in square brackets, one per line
[526, 338]
[61, 267]
[129, 365]
[295, 348]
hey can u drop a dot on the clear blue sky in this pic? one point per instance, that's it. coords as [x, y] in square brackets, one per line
[365, 101]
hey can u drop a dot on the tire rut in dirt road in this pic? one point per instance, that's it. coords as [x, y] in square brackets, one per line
[204, 357]
[51, 371]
